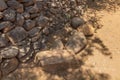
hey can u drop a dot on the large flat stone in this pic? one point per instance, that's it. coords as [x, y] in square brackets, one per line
[54, 59]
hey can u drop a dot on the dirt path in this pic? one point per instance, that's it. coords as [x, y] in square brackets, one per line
[110, 37]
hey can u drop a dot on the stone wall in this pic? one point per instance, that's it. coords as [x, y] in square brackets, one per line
[31, 26]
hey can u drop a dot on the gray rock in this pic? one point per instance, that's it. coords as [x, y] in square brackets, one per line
[54, 44]
[0, 58]
[9, 15]
[26, 52]
[32, 16]
[9, 52]
[15, 5]
[1, 15]
[20, 9]
[24, 49]
[6, 26]
[32, 9]
[28, 2]
[33, 32]
[3, 5]
[76, 42]
[17, 35]
[0, 74]
[19, 20]
[36, 38]
[42, 21]
[29, 24]
[26, 15]
[76, 22]
[54, 59]
[3, 41]
[37, 45]
[39, 4]
[9, 65]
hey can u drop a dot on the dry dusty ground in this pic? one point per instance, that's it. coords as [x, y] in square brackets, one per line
[109, 38]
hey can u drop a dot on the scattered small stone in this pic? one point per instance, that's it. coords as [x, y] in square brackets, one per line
[37, 45]
[28, 55]
[76, 22]
[29, 24]
[24, 49]
[9, 52]
[17, 35]
[3, 5]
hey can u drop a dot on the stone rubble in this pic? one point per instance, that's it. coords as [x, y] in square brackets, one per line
[34, 27]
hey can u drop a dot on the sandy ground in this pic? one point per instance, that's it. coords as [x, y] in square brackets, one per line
[109, 34]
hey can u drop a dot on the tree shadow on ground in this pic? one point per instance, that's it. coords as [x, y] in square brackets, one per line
[102, 4]
[74, 71]
[99, 45]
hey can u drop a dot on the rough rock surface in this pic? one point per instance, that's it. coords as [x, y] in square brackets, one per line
[31, 26]
[76, 22]
[76, 42]
[3, 5]
[8, 66]
[17, 34]
[9, 52]
[3, 42]
[9, 15]
[19, 20]
[52, 60]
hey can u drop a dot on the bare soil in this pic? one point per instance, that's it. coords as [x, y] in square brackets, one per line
[109, 38]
